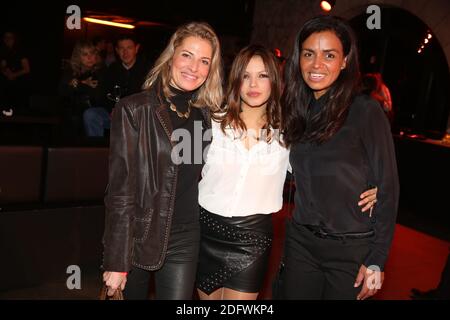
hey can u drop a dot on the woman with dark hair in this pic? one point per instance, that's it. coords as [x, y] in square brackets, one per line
[152, 214]
[340, 144]
[242, 180]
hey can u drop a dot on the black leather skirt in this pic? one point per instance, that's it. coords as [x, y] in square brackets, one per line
[234, 252]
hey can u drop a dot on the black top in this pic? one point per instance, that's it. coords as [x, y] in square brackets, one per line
[83, 96]
[13, 58]
[129, 81]
[331, 176]
[187, 135]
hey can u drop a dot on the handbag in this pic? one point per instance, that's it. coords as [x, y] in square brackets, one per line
[118, 295]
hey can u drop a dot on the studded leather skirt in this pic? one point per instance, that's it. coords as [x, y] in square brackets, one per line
[234, 252]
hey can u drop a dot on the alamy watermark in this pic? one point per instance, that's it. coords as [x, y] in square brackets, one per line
[374, 20]
[73, 21]
[74, 280]
[188, 148]
[373, 281]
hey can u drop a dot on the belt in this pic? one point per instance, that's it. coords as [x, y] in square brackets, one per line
[320, 233]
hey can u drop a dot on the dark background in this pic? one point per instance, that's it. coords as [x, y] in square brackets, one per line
[419, 83]
[42, 31]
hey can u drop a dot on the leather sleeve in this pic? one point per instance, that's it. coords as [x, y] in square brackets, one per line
[120, 201]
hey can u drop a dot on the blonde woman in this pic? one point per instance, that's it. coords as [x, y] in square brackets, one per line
[152, 213]
[82, 83]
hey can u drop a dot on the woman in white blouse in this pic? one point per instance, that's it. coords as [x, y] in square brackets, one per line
[242, 181]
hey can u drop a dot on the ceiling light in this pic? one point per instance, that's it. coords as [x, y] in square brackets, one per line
[110, 23]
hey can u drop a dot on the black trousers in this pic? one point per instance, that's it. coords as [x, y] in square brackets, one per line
[317, 268]
[175, 280]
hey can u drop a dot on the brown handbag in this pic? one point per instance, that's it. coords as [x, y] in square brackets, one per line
[118, 295]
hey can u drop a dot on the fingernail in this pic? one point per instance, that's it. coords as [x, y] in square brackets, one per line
[355, 285]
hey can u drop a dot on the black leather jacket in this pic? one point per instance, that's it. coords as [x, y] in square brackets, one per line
[142, 183]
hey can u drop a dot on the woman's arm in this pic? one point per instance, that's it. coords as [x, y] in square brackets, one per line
[120, 197]
[25, 69]
[379, 146]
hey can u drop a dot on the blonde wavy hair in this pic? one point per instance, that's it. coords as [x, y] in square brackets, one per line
[210, 94]
[75, 60]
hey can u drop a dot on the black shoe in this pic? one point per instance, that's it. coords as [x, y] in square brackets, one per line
[417, 294]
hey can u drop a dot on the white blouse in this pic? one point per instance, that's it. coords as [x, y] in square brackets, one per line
[237, 181]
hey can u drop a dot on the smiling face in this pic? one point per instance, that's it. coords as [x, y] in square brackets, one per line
[321, 61]
[190, 64]
[256, 85]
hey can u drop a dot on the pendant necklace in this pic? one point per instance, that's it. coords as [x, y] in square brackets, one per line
[179, 113]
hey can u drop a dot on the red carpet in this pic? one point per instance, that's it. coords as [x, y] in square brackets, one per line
[416, 261]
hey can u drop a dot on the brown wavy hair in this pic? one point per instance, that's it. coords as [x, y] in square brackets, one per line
[233, 94]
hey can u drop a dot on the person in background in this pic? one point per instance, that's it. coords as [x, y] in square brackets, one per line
[15, 79]
[122, 78]
[340, 143]
[110, 56]
[82, 84]
[152, 212]
[242, 181]
[105, 50]
[374, 86]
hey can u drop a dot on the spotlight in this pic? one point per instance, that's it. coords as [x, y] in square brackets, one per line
[327, 5]
[426, 40]
[429, 36]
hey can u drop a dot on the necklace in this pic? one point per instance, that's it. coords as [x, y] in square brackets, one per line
[181, 114]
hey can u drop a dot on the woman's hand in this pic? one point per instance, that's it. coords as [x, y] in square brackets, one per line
[369, 198]
[90, 82]
[73, 83]
[372, 281]
[114, 281]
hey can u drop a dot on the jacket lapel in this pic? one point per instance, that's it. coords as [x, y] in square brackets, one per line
[164, 119]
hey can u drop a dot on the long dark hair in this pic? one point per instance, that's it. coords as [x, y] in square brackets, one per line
[233, 94]
[297, 97]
